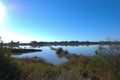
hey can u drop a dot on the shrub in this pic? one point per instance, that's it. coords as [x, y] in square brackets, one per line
[105, 64]
[9, 68]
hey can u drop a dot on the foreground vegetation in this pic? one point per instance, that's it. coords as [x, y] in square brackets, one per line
[104, 65]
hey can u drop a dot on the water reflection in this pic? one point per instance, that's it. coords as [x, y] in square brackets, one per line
[47, 54]
[50, 56]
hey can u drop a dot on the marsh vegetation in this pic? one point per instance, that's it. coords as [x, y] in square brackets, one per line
[103, 65]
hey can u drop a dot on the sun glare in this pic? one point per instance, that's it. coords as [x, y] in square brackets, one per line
[2, 13]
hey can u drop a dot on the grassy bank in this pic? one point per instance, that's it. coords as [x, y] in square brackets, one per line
[104, 65]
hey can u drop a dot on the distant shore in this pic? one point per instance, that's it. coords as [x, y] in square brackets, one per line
[62, 43]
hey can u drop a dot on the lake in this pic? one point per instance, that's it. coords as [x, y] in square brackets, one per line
[50, 56]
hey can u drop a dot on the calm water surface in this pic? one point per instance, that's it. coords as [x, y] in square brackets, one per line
[51, 57]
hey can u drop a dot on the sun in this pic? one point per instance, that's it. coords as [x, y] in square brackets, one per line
[2, 13]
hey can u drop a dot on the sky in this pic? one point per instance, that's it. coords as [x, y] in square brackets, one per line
[59, 20]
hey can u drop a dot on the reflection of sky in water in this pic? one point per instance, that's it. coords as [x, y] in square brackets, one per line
[47, 54]
[80, 50]
[50, 56]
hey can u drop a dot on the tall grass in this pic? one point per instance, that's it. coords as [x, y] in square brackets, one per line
[105, 64]
[9, 68]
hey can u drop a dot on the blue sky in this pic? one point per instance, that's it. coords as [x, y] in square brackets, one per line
[60, 20]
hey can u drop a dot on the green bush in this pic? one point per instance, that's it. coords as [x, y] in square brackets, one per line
[105, 64]
[9, 68]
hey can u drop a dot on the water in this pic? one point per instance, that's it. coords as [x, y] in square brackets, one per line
[51, 57]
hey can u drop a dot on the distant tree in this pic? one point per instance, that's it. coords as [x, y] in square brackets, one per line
[18, 42]
[12, 41]
[34, 42]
